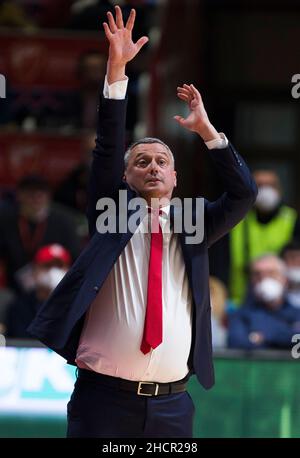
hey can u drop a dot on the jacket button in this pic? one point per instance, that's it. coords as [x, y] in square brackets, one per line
[96, 288]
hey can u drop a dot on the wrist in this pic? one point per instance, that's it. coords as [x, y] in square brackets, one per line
[115, 72]
[207, 132]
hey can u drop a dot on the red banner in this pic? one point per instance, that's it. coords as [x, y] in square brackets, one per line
[52, 157]
[49, 60]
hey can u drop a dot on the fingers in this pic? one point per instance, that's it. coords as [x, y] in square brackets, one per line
[189, 89]
[141, 42]
[131, 19]
[114, 25]
[107, 31]
[184, 90]
[195, 92]
[119, 17]
[188, 92]
[111, 21]
[183, 97]
[180, 120]
[185, 94]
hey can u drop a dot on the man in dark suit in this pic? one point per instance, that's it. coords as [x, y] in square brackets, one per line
[133, 312]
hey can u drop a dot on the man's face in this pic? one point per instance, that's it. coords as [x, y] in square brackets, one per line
[150, 171]
[269, 193]
[33, 203]
[266, 178]
[269, 282]
[93, 70]
[46, 277]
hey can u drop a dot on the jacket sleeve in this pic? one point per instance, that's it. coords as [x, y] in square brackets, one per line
[238, 198]
[108, 156]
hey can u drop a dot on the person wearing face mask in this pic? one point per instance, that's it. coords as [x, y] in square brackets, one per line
[50, 265]
[267, 228]
[267, 320]
[291, 256]
[31, 222]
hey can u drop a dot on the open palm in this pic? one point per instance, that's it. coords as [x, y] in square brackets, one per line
[121, 47]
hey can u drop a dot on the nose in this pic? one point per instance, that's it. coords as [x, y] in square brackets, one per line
[153, 167]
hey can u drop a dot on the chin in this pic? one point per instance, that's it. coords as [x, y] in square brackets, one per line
[151, 193]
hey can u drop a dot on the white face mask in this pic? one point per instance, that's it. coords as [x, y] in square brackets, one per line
[267, 198]
[50, 278]
[269, 290]
[293, 274]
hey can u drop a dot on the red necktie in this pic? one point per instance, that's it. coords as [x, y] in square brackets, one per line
[153, 320]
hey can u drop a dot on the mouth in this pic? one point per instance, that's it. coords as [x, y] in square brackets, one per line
[153, 180]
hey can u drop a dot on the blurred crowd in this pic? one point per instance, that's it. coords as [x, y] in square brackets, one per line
[256, 284]
[255, 270]
[67, 110]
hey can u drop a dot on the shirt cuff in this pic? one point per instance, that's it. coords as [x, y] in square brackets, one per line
[218, 143]
[115, 90]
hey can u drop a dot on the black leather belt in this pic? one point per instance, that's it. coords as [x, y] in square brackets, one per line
[152, 388]
[140, 388]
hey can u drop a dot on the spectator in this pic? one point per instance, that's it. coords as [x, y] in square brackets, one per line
[13, 15]
[267, 320]
[78, 109]
[63, 110]
[72, 191]
[266, 229]
[291, 256]
[81, 106]
[49, 267]
[218, 299]
[87, 15]
[32, 222]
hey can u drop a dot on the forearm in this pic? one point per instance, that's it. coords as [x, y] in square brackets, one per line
[115, 72]
[108, 156]
[234, 173]
[240, 193]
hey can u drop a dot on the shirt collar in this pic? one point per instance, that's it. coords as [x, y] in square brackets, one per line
[164, 211]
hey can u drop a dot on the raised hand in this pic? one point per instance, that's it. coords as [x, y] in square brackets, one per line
[121, 47]
[197, 120]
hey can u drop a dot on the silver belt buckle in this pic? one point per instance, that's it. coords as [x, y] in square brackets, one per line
[147, 383]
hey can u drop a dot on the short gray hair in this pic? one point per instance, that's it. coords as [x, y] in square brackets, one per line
[280, 263]
[146, 140]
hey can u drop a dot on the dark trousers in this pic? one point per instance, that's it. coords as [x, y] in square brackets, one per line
[99, 409]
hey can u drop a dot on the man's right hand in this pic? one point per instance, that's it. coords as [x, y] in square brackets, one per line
[121, 47]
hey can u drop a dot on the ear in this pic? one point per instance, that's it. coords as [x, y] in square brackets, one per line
[175, 179]
[124, 177]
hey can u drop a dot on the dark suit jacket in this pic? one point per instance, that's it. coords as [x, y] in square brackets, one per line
[59, 321]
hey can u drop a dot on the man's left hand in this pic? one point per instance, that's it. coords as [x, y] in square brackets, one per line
[197, 120]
